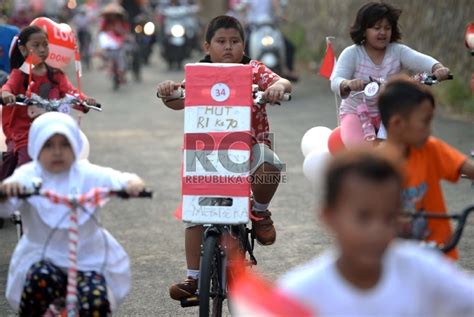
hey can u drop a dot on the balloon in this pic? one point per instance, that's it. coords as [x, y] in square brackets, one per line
[62, 42]
[315, 139]
[314, 166]
[335, 143]
[85, 148]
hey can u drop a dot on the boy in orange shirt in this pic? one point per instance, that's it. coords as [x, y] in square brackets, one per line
[407, 110]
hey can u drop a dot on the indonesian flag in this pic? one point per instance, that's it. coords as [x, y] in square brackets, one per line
[30, 62]
[251, 295]
[329, 60]
[27, 67]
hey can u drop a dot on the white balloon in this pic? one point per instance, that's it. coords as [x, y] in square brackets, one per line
[85, 148]
[315, 139]
[314, 166]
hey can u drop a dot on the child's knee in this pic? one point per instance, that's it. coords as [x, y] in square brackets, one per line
[42, 270]
[44, 276]
[93, 294]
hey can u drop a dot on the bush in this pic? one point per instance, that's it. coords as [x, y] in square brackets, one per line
[456, 95]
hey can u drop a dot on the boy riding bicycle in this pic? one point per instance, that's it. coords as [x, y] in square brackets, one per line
[225, 44]
[407, 110]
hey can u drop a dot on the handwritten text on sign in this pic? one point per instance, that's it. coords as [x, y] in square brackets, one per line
[201, 119]
[195, 213]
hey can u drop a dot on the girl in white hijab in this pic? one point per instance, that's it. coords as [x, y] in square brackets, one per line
[37, 272]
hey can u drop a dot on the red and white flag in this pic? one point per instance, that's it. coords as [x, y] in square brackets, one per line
[329, 60]
[252, 295]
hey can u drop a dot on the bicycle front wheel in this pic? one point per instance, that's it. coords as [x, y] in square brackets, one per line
[210, 288]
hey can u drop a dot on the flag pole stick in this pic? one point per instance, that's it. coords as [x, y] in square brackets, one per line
[336, 101]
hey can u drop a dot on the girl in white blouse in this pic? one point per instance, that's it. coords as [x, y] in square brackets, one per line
[37, 273]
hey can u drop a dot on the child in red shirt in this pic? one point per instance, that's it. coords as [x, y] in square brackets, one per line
[225, 44]
[407, 110]
[47, 82]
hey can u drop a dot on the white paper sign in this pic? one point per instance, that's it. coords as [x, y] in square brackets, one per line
[205, 119]
[220, 92]
[196, 213]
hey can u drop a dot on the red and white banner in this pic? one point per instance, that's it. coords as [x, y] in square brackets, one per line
[252, 295]
[217, 143]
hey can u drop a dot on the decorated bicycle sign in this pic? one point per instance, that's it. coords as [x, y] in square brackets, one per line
[371, 89]
[220, 92]
[217, 143]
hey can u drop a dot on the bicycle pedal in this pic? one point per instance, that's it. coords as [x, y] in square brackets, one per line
[189, 302]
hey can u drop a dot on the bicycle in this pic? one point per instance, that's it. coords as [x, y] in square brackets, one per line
[93, 198]
[37, 105]
[215, 247]
[417, 227]
[371, 89]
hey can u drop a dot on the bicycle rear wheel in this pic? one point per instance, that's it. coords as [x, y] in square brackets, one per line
[210, 288]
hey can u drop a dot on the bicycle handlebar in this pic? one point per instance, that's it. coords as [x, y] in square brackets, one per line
[461, 222]
[257, 95]
[456, 237]
[431, 79]
[119, 193]
[422, 78]
[54, 104]
[123, 194]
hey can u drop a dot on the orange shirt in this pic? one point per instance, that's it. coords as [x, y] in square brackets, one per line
[424, 169]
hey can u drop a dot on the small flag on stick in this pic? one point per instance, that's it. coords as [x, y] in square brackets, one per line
[329, 60]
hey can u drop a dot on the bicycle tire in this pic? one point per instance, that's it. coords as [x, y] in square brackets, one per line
[209, 280]
[115, 76]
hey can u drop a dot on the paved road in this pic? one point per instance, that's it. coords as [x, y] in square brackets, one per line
[137, 133]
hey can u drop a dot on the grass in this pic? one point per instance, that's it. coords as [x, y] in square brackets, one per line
[456, 95]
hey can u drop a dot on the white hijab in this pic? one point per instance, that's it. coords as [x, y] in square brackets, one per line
[49, 124]
[73, 181]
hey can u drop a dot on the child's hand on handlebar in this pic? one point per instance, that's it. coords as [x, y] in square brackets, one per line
[12, 189]
[355, 84]
[274, 93]
[135, 186]
[441, 73]
[8, 98]
[91, 101]
[166, 88]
